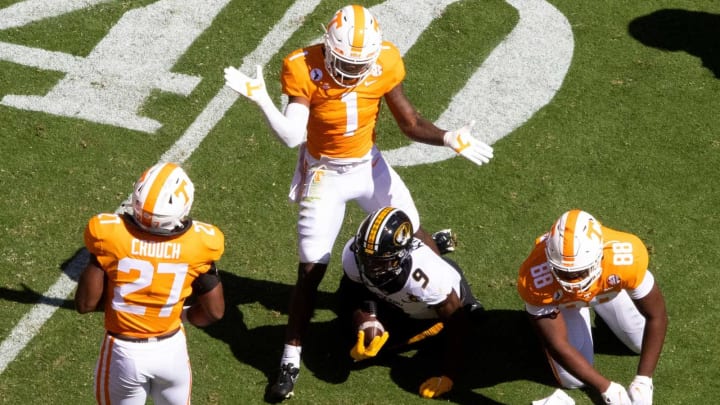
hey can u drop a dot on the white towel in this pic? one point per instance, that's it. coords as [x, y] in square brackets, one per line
[559, 397]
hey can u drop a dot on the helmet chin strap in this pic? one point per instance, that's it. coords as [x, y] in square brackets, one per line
[395, 283]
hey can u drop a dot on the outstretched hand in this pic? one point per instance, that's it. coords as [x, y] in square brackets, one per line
[471, 148]
[254, 89]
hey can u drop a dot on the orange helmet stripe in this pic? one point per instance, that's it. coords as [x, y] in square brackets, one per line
[154, 192]
[568, 249]
[358, 39]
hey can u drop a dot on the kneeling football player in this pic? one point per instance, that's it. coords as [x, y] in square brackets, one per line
[393, 284]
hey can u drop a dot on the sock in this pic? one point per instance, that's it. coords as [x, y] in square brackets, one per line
[291, 354]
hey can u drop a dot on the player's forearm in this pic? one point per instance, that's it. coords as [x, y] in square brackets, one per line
[457, 327]
[198, 316]
[424, 131]
[652, 345]
[85, 306]
[574, 362]
[289, 128]
[209, 308]
[90, 291]
[453, 360]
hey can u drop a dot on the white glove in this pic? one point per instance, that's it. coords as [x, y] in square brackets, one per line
[462, 142]
[641, 390]
[616, 395]
[254, 89]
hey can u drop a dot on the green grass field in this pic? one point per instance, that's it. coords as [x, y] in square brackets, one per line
[93, 94]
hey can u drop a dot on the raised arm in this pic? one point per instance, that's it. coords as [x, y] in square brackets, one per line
[289, 127]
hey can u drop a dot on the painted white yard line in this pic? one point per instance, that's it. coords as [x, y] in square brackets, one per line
[30, 324]
[28, 11]
[519, 77]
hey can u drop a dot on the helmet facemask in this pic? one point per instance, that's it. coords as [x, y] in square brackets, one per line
[574, 249]
[381, 270]
[352, 45]
[577, 279]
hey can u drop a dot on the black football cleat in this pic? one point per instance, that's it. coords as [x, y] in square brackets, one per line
[446, 240]
[476, 312]
[283, 387]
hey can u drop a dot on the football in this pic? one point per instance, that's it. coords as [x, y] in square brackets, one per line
[368, 323]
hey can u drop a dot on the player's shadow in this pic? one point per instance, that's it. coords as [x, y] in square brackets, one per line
[71, 267]
[26, 295]
[605, 341]
[694, 32]
[261, 347]
[503, 348]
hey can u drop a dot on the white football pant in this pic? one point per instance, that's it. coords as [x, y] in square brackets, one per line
[622, 317]
[325, 186]
[128, 372]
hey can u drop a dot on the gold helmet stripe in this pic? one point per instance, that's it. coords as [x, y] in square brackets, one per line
[377, 224]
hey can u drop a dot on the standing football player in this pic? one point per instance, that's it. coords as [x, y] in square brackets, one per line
[580, 264]
[412, 291]
[144, 264]
[334, 90]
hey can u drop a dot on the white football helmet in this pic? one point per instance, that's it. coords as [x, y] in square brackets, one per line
[574, 249]
[162, 198]
[352, 45]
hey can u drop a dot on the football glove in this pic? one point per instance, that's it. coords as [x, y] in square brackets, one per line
[433, 387]
[616, 395]
[641, 390]
[360, 352]
[254, 89]
[446, 240]
[462, 142]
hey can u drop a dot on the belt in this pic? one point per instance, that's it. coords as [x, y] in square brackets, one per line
[152, 339]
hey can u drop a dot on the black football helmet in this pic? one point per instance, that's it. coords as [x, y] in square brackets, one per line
[382, 246]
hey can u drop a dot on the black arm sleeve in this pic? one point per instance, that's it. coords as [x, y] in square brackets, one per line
[206, 281]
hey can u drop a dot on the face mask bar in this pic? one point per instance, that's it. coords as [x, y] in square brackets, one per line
[349, 72]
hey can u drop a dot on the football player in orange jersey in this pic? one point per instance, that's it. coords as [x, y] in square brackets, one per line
[144, 263]
[335, 89]
[580, 264]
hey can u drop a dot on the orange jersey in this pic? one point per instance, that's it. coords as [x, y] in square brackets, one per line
[149, 276]
[342, 120]
[624, 264]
